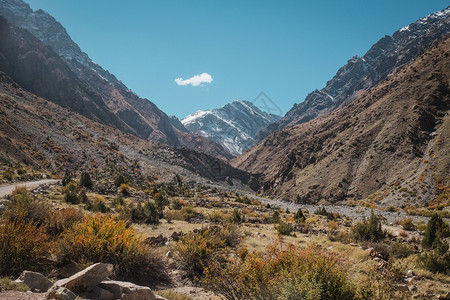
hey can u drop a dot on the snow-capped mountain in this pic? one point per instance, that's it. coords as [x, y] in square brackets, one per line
[362, 73]
[233, 126]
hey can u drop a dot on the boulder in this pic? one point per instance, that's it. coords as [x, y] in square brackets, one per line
[60, 293]
[87, 279]
[128, 291]
[102, 294]
[35, 281]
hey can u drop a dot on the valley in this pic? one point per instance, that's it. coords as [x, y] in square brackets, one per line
[104, 196]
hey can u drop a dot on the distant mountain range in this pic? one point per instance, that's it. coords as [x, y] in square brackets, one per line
[234, 125]
[361, 73]
[50, 64]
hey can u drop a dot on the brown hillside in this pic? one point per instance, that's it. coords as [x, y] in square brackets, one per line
[37, 132]
[393, 139]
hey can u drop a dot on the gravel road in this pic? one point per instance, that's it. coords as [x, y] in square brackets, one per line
[8, 189]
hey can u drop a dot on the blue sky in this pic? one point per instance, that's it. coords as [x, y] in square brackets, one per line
[284, 48]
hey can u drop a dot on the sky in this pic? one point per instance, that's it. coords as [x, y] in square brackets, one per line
[202, 54]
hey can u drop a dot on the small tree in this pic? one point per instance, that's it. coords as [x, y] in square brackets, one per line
[236, 217]
[299, 216]
[369, 230]
[67, 178]
[436, 230]
[120, 179]
[86, 181]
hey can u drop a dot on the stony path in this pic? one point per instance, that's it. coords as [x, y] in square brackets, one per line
[8, 189]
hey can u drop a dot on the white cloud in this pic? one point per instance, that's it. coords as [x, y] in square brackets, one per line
[195, 80]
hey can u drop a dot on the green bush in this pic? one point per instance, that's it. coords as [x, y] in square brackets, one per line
[276, 217]
[86, 181]
[176, 204]
[120, 179]
[22, 203]
[284, 228]
[70, 194]
[437, 258]
[368, 230]
[145, 213]
[323, 212]
[97, 205]
[436, 229]
[299, 216]
[236, 217]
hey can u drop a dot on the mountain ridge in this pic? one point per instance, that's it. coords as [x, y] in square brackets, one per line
[361, 73]
[91, 90]
[392, 137]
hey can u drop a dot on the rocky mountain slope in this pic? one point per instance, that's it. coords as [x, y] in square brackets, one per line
[233, 126]
[63, 74]
[391, 144]
[42, 134]
[361, 73]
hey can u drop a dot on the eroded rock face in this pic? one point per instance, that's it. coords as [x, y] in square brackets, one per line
[35, 281]
[87, 279]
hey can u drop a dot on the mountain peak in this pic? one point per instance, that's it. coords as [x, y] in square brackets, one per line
[233, 125]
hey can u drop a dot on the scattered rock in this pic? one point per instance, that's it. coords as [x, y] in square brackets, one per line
[369, 250]
[176, 236]
[159, 240]
[102, 294]
[35, 281]
[128, 291]
[402, 287]
[69, 269]
[60, 293]
[410, 273]
[87, 279]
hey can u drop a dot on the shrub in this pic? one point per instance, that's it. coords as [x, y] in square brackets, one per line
[176, 204]
[124, 189]
[161, 202]
[117, 201]
[22, 245]
[368, 230]
[82, 197]
[215, 217]
[67, 178]
[86, 181]
[311, 273]
[120, 179]
[436, 260]
[284, 228]
[323, 212]
[401, 250]
[25, 205]
[299, 216]
[275, 217]
[70, 194]
[59, 220]
[408, 224]
[436, 229]
[236, 217]
[106, 239]
[98, 205]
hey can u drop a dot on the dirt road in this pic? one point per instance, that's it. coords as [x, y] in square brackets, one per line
[7, 189]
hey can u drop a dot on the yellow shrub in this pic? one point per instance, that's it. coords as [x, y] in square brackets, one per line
[22, 245]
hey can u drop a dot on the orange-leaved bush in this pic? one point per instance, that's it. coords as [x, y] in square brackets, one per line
[22, 245]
